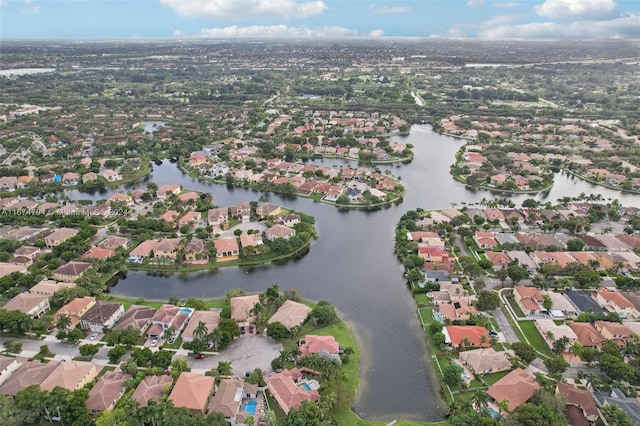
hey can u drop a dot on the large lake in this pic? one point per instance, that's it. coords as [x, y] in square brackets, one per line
[352, 265]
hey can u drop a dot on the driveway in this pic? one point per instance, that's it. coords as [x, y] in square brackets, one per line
[245, 354]
[510, 336]
[245, 226]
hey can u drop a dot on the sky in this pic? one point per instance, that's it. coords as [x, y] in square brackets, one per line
[296, 19]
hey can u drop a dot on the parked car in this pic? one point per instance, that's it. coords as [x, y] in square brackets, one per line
[94, 336]
[154, 342]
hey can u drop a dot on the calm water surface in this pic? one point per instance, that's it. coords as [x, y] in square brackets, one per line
[352, 265]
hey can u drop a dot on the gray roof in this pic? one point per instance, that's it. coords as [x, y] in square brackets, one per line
[631, 406]
[437, 276]
[583, 301]
[505, 238]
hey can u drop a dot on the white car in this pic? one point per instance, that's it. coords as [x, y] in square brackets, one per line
[154, 342]
[93, 336]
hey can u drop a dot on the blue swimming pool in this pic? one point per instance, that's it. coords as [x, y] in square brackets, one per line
[493, 413]
[250, 407]
[186, 311]
[437, 317]
[306, 386]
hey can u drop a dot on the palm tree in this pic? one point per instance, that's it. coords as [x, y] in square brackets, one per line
[27, 322]
[224, 368]
[200, 331]
[170, 332]
[560, 344]
[480, 399]
[214, 338]
[503, 405]
[63, 322]
[454, 408]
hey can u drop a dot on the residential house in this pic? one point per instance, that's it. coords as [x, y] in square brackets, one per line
[167, 190]
[151, 388]
[587, 412]
[227, 249]
[631, 406]
[167, 248]
[228, 400]
[70, 271]
[617, 332]
[211, 319]
[189, 199]
[70, 178]
[27, 374]
[313, 344]
[560, 305]
[113, 242]
[583, 301]
[279, 231]
[168, 316]
[587, 335]
[485, 240]
[287, 392]
[551, 332]
[170, 216]
[529, 300]
[218, 217]
[455, 311]
[75, 310]
[59, 236]
[8, 183]
[192, 391]
[242, 211]
[72, 375]
[291, 314]
[466, 336]
[102, 315]
[268, 209]
[34, 305]
[486, 360]
[31, 253]
[191, 220]
[120, 198]
[196, 252]
[616, 302]
[517, 387]
[7, 268]
[499, 260]
[433, 254]
[241, 309]
[138, 317]
[142, 251]
[8, 366]
[106, 392]
[250, 240]
[288, 220]
[98, 253]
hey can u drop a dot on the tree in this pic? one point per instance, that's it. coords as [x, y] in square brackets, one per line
[224, 368]
[502, 275]
[556, 365]
[88, 351]
[277, 331]
[116, 353]
[323, 313]
[63, 323]
[575, 244]
[452, 375]
[524, 351]
[488, 301]
[559, 345]
[200, 331]
[535, 415]
[615, 367]
[517, 273]
[616, 416]
[588, 278]
[480, 399]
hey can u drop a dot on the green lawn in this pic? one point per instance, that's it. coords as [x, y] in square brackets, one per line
[174, 345]
[534, 337]
[515, 307]
[421, 299]
[127, 302]
[426, 315]
[494, 377]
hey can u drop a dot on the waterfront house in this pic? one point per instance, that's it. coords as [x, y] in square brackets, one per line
[70, 271]
[312, 344]
[151, 388]
[466, 336]
[196, 252]
[143, 250]
[279, 231]
[227, 249]
[287, 392]
[165, 317]
[211, 319]
[486, 360]
[106, 392]
[517, 387]
[268, 209]
[167, 190]
[98, 253]
[167, 248]
[34, 305]
[291, 314]
[192, 391]
[102, 315]
[458, 310]
[242, 309]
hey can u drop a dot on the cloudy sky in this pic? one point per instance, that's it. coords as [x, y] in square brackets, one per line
[488, 19]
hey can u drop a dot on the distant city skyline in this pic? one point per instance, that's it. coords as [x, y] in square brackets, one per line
[297, 19]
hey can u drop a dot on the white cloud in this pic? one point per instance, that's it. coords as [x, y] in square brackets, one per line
[32, 10]
[27, 1]
[475, 3]
[279, 31]
[386, 10]
[246, 9]
[499, 20]
[625, 26]
[506, 4]
[587, 9]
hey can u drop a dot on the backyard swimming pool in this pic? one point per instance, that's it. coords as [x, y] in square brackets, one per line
[306, 386]
[186, 311]
[250, 407]
[437, 317]
[493, 413]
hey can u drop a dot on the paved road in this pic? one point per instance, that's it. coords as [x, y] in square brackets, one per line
[505, 326]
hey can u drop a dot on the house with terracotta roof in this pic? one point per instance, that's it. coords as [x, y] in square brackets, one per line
[192, 220]
[516, 387]
[75, 309]
[167, 248]
[72, 375]
[192, 391]
[99, 253]
[138, 317]
[313, 344]
[106, 392]
[529, 300]
[166, 190]
[613, 301]
[241, 309]
[102, 315]
[150, 388]
[458, 310]
[287, 392]
[432, 254]
[250, 240]
[228, 400]
[485, 240]
[499, 260]
[227, 249]
[617, 332]
[167, 316]
[211, 319]
[218, 217]
[524, 260]
[170, 216]
[279, 231]
[291, 314]
[580, 399]
[143, 250]
[70, 271]
[27, 374]
[486, 360]
[551, 332]
[466, 336]
[34, 305]
[59, 236]
[587, 335]
[8, 366]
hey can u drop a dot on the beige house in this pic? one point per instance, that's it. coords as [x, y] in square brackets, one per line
[71, 376]
[617, 332]
[48, 287]
[291, 314]
[529, 300]
[228, 400]
[486, 360]
[76, 309]
[34, 305]
[102, 315]
[29, 373]
[167, 248]
[8, 366]
[192, 391]
[59, 236]
[138, 317]
[151, 388]
[516, 387]
[241, 309]
[211, 319]
[218, 217]
[286, 389]
[613, 301]
[106, 392]
[279, 231]
[227, 249]
[70, 271]
[167, 190]
[268, 209]
[551, 332]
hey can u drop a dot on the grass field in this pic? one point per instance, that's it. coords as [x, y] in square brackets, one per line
[535, 338]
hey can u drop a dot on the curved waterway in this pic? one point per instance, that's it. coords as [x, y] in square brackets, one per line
[353, 266]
